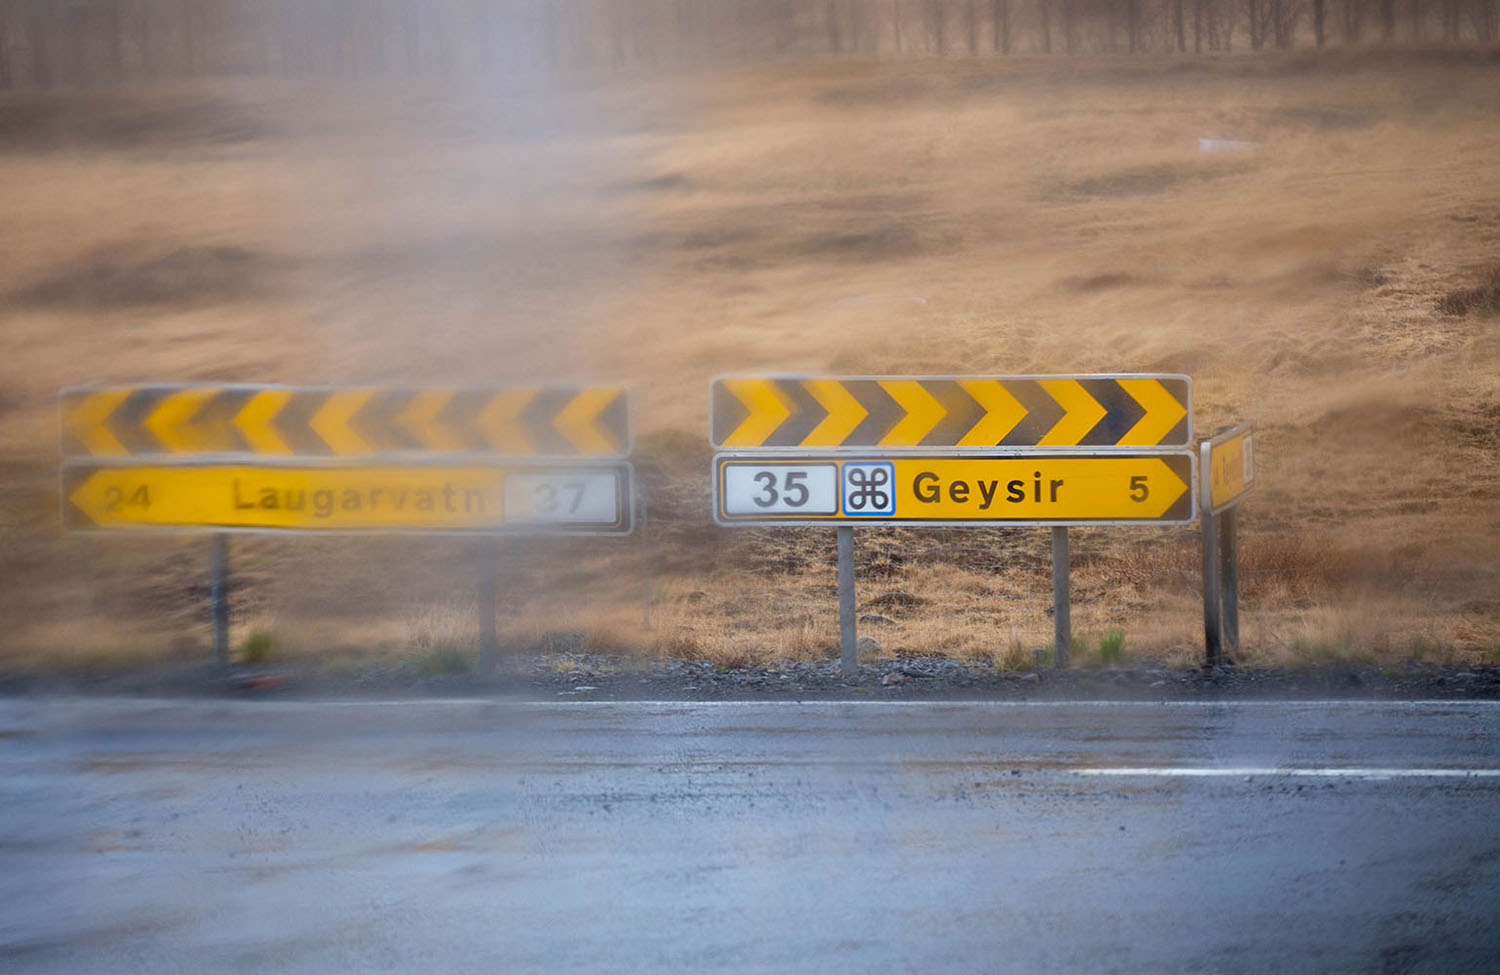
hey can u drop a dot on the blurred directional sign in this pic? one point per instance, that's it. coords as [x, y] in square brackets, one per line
[1228, 466]
[1027, 489]
[947, 413]
[301, 421]
[582, 498]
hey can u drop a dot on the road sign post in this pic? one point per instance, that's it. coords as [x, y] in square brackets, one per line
[488, 574]
[848, 634]
[647, 589]
[1229, 579]
[1213, 624]
[1062, 625]
[218, 596]
[1227, 466]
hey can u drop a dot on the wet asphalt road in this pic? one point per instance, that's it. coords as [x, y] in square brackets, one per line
[404, 836]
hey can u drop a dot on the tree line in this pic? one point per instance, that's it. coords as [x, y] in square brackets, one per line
[44, 43]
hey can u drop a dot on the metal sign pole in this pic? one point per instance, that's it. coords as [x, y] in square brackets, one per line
[488, 570]
[847, 656]
[219, 596]
[1062, 625]
[1229, 579]
[645, 564]
[1212, 622]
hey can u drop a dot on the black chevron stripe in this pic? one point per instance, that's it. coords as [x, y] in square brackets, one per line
[884, 412]
[538, 416]
[217, 417]
[806, 414]
[1042, 413]
[292, 423]
[963, 412]
[1121, 413]
[728, 412]
[128, 421]
[375, 422]
[462, 415]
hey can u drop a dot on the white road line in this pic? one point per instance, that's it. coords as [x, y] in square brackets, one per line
[1314, 773]
[145, 703]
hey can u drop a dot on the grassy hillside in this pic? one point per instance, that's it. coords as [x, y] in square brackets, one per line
[1336, 281]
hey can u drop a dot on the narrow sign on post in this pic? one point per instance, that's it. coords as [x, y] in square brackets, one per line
[1227, 466]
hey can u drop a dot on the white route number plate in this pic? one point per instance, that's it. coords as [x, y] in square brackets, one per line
[781, 489]
[563, 498]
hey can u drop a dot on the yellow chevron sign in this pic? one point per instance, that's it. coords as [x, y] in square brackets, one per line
[975, 412]
[188, 421]
[910, 489]
[582, 497]
[1228, 466]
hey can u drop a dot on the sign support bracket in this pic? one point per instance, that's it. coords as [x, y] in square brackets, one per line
[1062, 625]
[848, 655]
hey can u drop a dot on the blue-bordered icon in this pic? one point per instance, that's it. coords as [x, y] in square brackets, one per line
[869, 489]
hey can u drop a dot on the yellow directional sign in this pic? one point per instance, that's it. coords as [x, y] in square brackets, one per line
[588, 498]
[307, 421]
[1228, 466]
[1032, 489]
[977, 412]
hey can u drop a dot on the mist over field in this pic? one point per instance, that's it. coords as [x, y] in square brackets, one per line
[700, 188]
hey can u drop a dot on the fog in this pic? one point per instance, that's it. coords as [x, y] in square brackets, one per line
[657, 194]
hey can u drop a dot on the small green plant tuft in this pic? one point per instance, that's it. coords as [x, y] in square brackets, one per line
[1112, 645]
[444, 658]
[257, 648]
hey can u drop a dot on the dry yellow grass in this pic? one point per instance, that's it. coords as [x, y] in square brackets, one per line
[971, 216]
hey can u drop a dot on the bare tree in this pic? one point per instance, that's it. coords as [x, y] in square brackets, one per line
[1485, 17]
[7, 70]
[38, 23]
[1000, 15]
[937, 25]
[1351, 17]
[1044, 10]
